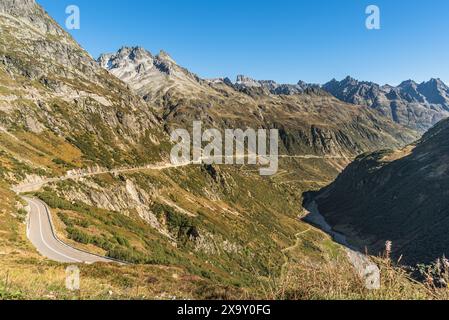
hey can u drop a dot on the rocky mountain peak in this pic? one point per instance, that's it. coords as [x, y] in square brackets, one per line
[104, 59]
[436, 83]
[408, 83]
[164, 56]
[247, 81]
[417, 106]
[127, 62]
[31, 13]
[409, 90]
[303, 83]
[244, 83]
[435, 91]
[133, 53]
[225, 81]
[18, 7]
[145, 73]
[350, 80]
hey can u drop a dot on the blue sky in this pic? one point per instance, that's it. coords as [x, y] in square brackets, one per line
[283, 40]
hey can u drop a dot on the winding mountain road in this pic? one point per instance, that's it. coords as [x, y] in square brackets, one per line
[41, 233]
[36, 185]
[40, 228]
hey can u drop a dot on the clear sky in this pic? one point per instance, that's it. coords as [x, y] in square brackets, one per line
[283, 40]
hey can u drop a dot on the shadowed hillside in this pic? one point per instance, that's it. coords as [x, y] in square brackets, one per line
[400, 196]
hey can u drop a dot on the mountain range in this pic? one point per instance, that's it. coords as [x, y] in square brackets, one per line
[310, 121]
[417, 106]
[92, 139]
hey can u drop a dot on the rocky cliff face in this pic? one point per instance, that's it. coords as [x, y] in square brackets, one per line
[18, 7]
[417, 106]
[49, 84]
[397, 196]
[29, 12]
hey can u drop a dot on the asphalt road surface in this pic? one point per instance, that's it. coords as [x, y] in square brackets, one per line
[41, 233]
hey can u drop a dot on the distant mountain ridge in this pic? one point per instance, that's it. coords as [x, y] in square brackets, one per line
[139, 68]
[272, 87]
[417, 106]
[310, 120]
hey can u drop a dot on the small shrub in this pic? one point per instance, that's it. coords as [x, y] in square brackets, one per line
[128, 255]
[65, 219]
[79, 236]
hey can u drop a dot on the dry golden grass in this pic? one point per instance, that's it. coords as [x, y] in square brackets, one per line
[314, 269]
[44, 148]
[399, 153]
[24, 274]
[34, 278]
[336, 280]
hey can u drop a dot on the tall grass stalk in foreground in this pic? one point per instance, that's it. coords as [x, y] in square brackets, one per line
[337, 280]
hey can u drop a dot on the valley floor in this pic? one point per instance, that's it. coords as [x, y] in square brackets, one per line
[312, 267]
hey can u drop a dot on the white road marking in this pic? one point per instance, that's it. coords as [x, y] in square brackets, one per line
[42, 236]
